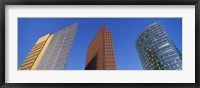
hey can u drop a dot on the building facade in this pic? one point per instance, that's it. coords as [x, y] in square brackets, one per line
[156, 50]
[56, 53]
[100, 55]
[36, 53]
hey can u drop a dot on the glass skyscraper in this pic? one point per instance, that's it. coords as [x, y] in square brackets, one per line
[156, 50]
[57, 52]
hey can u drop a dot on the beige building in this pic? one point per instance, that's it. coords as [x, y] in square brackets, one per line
[51, 51]
[35, 55]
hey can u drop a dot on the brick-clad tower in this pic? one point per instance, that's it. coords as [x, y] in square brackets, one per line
[100, 55]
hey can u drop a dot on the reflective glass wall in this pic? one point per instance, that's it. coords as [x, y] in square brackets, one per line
[157, 51]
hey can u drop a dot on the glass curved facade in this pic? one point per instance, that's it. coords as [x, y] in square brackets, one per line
[156, 50]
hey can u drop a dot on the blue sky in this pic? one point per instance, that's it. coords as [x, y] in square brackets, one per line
[124, 32]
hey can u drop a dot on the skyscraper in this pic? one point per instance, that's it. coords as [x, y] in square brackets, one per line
[36, 53]
[157, 51]
[56, 52]
[100, 55]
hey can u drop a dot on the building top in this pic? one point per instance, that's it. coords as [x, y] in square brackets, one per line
[146, 28]
[44, 38]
